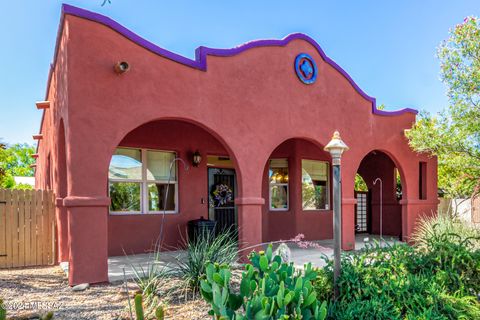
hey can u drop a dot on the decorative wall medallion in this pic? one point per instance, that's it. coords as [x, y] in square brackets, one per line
[306, 68]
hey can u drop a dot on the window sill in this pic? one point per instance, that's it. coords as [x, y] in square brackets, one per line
[141, 213]
[316, 210]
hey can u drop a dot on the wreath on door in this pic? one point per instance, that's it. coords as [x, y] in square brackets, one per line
[222, 195]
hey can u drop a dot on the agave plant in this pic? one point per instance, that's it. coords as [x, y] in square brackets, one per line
[207, 247]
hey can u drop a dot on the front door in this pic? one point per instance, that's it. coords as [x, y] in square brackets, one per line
[221, 194]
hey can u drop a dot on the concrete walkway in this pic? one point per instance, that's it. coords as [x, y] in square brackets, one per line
[142, 263]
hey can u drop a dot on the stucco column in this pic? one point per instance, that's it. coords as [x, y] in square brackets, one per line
[348, 223]
[412, 210]
[62, 230]
[88, 235]
[249, 223]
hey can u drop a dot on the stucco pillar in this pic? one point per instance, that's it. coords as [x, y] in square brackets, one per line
[412, 210]
[249, 224]
[348, 223]
[62, 231]
[88, 235]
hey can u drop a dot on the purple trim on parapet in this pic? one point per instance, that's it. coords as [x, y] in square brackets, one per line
[201, 53]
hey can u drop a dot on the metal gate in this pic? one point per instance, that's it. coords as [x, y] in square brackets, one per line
[361, 212]
[221, 185]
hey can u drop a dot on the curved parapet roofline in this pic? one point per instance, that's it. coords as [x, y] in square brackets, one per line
[201, 53]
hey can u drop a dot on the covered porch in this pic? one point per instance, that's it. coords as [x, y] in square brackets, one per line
[299, 256]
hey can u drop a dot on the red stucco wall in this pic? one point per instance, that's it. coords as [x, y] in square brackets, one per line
[249, 103]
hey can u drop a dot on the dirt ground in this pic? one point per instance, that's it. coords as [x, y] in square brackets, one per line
[32, 291]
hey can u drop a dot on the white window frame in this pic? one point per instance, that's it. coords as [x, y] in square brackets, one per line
[270, 184]
[144, 182]
[327, 182]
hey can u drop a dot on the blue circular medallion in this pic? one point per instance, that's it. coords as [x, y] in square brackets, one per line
[306, 68]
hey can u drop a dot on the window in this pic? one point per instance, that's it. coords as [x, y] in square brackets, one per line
[422, 180]
[278, 180]
[315, 185]
[138, 181]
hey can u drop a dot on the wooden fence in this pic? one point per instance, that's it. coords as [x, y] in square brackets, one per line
[27, 228]
[476, 210]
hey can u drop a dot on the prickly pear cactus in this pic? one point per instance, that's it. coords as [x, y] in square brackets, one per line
[269, 289]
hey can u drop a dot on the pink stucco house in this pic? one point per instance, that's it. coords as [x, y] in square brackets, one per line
[258, 116]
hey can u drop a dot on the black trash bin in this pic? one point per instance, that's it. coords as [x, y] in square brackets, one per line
[200, 227]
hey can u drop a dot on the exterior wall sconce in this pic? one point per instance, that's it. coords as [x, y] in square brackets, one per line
[121, 67]
[197, 158]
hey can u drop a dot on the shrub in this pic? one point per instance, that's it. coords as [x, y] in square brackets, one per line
[438, 278]
[440, 228]
[207, 247]
[269, 289]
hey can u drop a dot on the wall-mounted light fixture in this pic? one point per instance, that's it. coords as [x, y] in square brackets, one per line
[196, 159]
[121, 67]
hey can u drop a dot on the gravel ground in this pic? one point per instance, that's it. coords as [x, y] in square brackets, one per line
[31, 291]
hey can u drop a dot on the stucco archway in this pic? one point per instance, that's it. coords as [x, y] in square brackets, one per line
[135, 225]
[384, 176]
[287, 212]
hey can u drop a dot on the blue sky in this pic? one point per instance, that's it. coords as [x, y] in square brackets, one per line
[388, 47]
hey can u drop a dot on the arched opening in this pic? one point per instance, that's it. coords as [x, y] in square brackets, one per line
[61, 192]
[297, 191]
[62, 185]
[169, 166]
[378, 191]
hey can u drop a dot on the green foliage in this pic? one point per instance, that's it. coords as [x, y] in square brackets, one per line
[454, 134]
[3, 312]
[439, 279]
[440, 228]
[221, 249]
[139, 307]
[139, 312]
[47, 316]
[360, 184]
[15, 160]
[149, 280]
[269, 289]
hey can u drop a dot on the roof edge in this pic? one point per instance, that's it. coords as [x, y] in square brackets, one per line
[201, 52]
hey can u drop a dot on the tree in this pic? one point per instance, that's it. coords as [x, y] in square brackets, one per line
[453, 135]
[15, 160]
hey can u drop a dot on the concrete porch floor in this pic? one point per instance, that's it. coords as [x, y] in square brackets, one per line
[299, 256]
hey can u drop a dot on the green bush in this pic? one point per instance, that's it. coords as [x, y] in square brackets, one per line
[207, 247]
[437, 279]
[269, 289]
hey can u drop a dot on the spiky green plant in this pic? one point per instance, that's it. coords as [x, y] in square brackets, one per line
[440, 228]
[207, 247]
[149, 279]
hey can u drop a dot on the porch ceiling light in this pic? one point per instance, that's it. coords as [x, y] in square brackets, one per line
[197, 158]
[336, 147]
